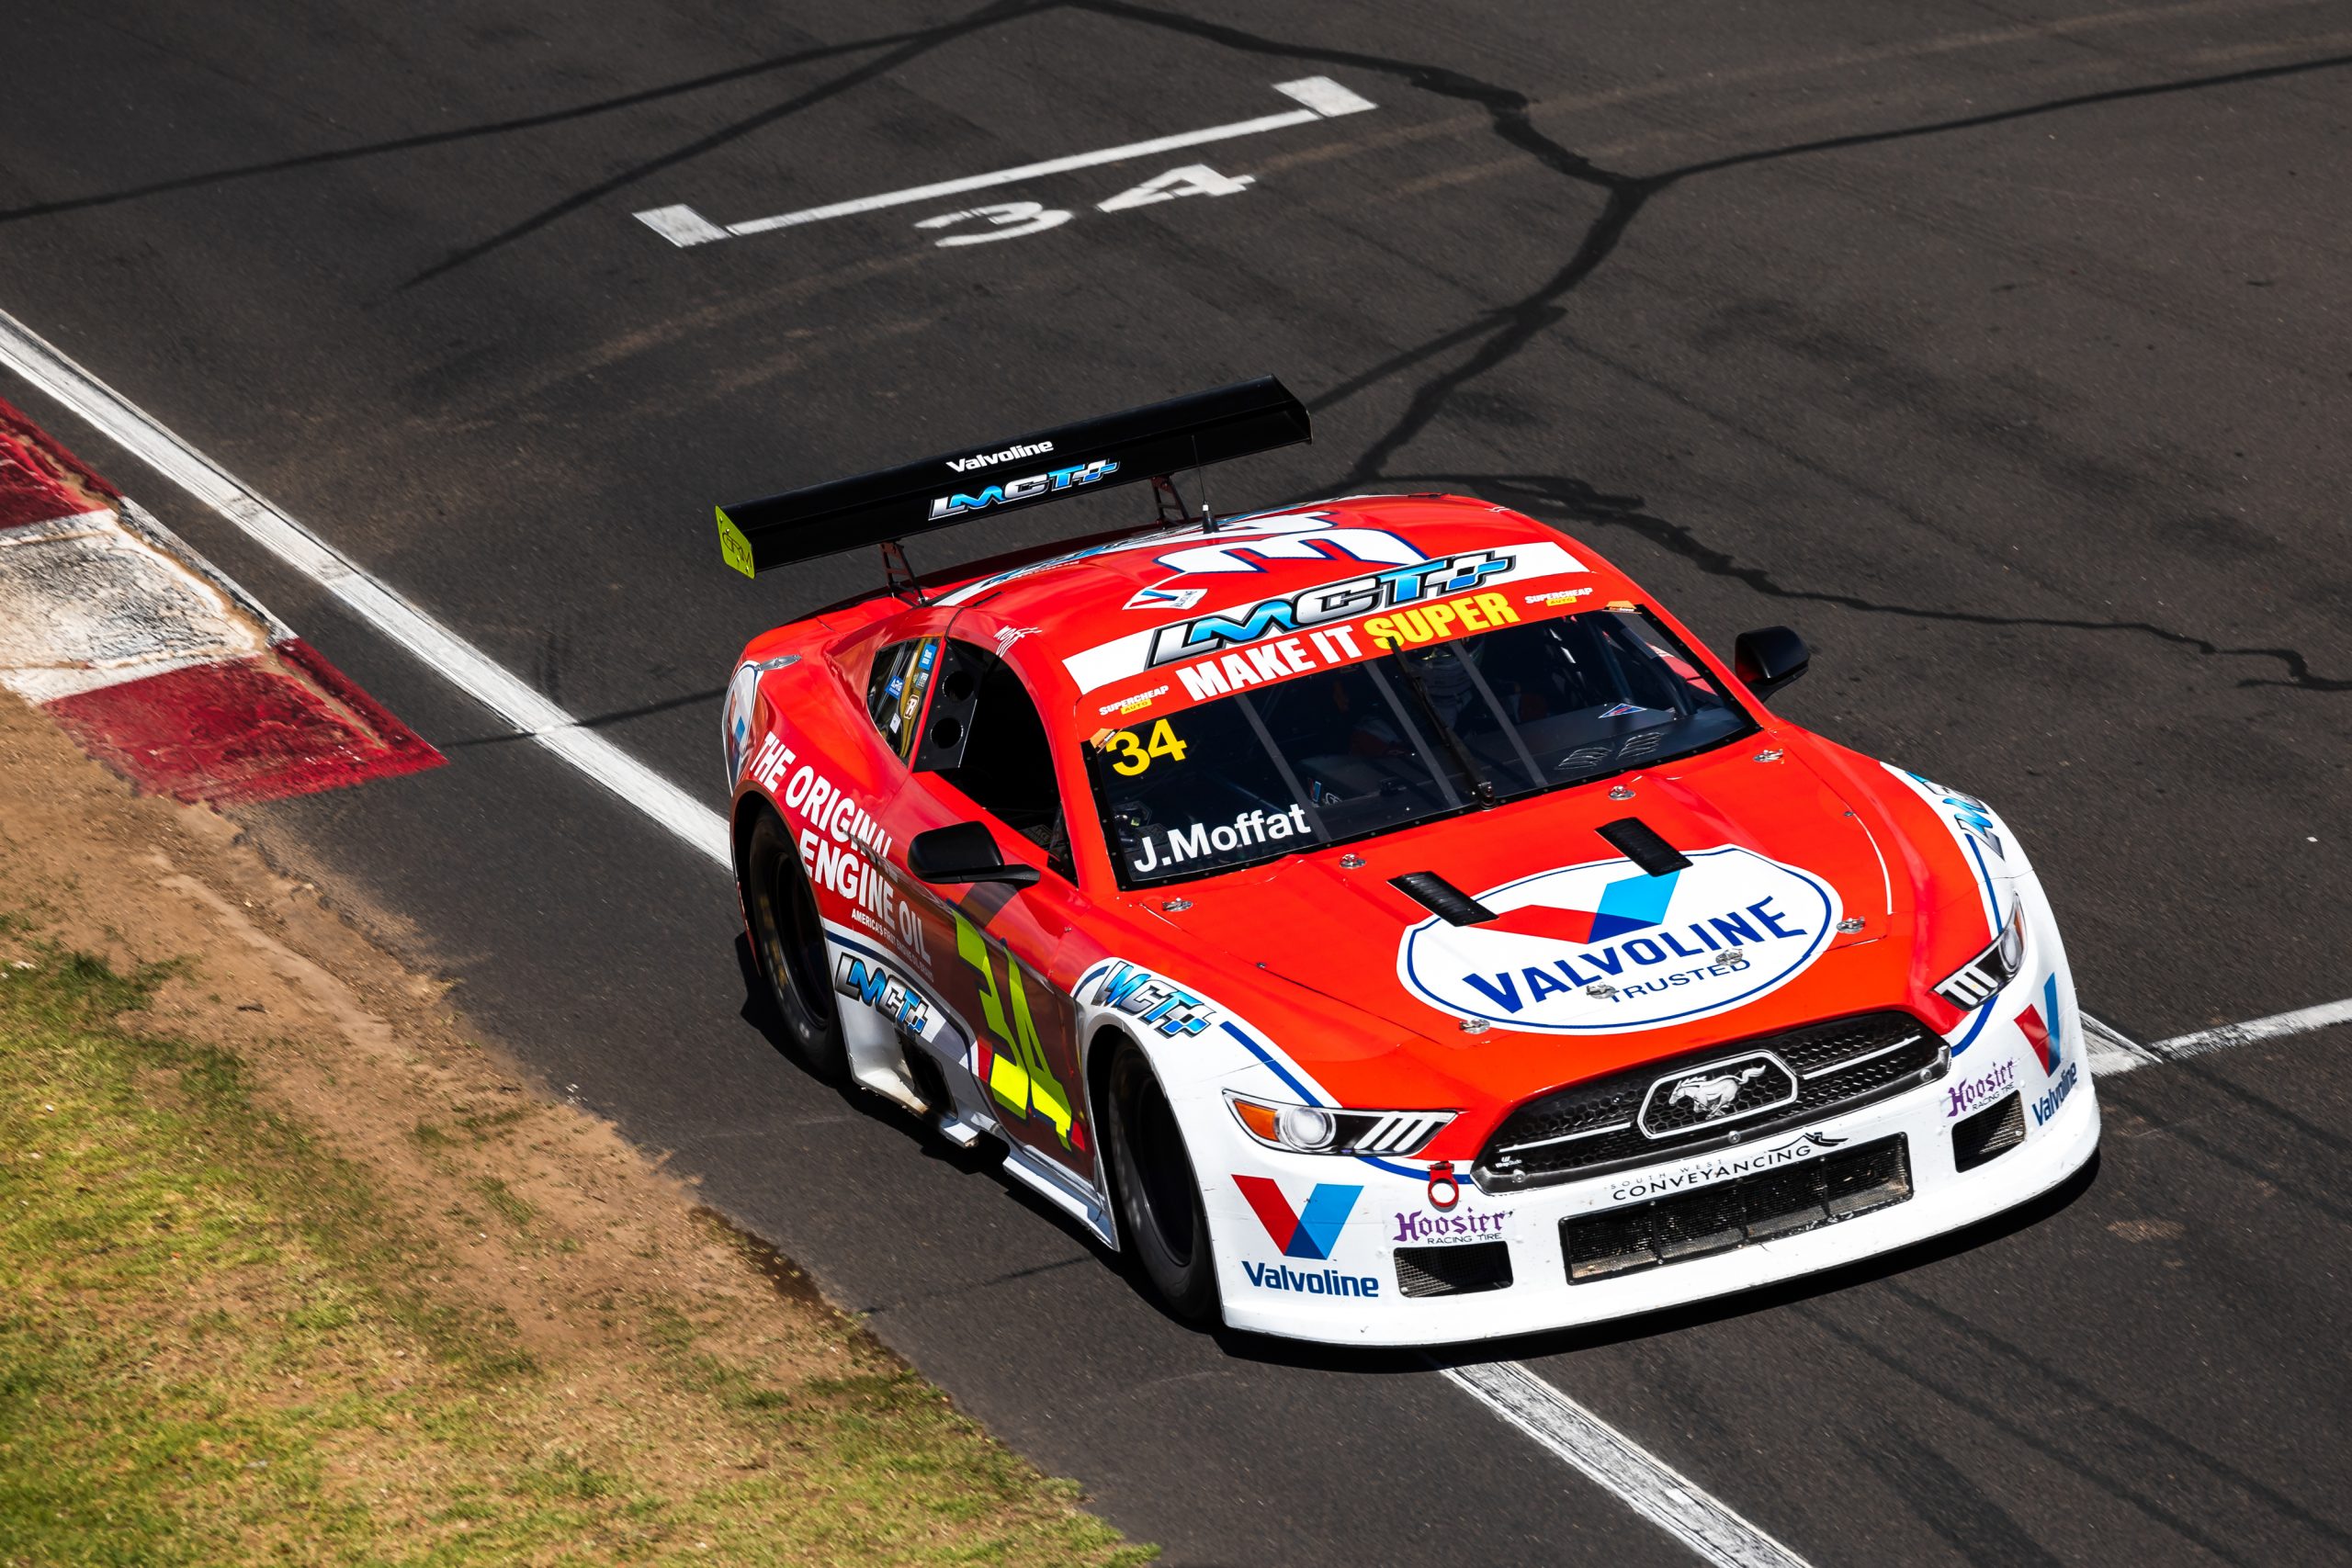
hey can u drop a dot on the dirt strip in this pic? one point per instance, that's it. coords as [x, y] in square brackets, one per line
[534, 1218]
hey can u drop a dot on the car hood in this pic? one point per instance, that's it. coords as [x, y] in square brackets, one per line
[1802, 899]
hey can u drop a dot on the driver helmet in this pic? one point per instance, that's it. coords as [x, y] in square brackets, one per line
[1446, 674]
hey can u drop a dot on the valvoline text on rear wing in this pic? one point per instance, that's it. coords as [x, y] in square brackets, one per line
[1028, 470]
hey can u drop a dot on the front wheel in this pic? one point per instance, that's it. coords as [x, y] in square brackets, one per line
[1160, 1212]
[789, 941]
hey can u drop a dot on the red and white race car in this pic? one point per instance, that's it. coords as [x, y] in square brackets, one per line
[1378, 916]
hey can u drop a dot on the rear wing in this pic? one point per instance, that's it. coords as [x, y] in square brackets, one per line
[1028, 470]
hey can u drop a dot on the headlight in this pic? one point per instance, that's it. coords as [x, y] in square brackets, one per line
[1314, 1130]
[1305, 1127]
[1969, 985]
[2011, 942]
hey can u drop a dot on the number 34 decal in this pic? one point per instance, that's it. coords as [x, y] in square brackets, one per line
[1134, 756]
[1009, 220]
[1012, 1059]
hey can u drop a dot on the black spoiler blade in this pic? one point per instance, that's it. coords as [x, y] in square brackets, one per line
[1028, 470]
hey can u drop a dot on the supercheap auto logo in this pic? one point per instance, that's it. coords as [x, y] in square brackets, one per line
[1134, 703]
[1604, 947]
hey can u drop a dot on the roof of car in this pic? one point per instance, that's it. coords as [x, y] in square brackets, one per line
[1137, 581]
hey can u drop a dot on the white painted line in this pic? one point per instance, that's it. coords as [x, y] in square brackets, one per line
[2112, 1052]
[457, 660]
[2300, 1021]
[1325, 96]
[682, 225]
[1324, 99]
[1641, 1479]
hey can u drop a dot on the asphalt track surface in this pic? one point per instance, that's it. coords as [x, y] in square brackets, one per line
[2004, 352]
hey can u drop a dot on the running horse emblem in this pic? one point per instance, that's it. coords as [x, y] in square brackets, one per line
[1712, 1096]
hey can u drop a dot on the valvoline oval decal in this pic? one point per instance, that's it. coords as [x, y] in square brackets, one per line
[1606, 947]
[735, 733]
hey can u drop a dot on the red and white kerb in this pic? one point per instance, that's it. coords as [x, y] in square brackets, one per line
[154, 661]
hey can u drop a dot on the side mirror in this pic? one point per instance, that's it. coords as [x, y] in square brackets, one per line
[1768, 659]
[963, 852]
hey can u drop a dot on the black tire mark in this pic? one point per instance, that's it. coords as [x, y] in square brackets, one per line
[2079, 1389]
[1502, 333]
[913, 48]
[1579, 502]
[2069, 1457]
[1964, 1515]
[464, 133]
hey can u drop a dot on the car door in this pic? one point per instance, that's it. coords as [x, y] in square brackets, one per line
[839, 804]
[1003, 957]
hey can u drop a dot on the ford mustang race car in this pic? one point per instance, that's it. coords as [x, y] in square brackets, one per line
[1378, 916]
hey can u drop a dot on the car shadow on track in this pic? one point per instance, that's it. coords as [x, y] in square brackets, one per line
[759, 1010]
[983, 1159]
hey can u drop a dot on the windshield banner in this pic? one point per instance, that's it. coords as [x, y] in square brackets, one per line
[1201, 658]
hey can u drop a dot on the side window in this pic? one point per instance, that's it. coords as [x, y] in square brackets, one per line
[985, 738]
[894, 691]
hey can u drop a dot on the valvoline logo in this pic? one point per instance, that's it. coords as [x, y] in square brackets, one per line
[1310, 1232]
[1605, 947]
[2040, 1027]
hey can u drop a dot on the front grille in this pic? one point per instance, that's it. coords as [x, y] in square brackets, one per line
[1453, 1270]
[1589, 1128]
[1988, 1134]
[1738, 1213]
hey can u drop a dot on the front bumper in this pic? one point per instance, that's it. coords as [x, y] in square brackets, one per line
[1344, 1283]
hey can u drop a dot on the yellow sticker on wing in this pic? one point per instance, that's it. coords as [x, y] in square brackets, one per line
[735, 549]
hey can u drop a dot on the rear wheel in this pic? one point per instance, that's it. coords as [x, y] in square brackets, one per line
[1159, 1201]
[789, 941]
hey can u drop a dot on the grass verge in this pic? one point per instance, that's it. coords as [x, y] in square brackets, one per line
[219, 1344]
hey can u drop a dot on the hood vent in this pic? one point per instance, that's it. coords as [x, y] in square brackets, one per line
[1442, 899]
[1640, 842]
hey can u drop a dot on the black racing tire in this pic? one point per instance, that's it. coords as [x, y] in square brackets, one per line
[788, 940]
[1165, 1224]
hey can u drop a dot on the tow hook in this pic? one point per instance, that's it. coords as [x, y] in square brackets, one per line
[1445, 1191]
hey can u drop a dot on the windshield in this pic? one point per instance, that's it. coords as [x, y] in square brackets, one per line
[1413, 734]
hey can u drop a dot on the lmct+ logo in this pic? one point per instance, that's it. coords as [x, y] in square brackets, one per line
[1312, 1231]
